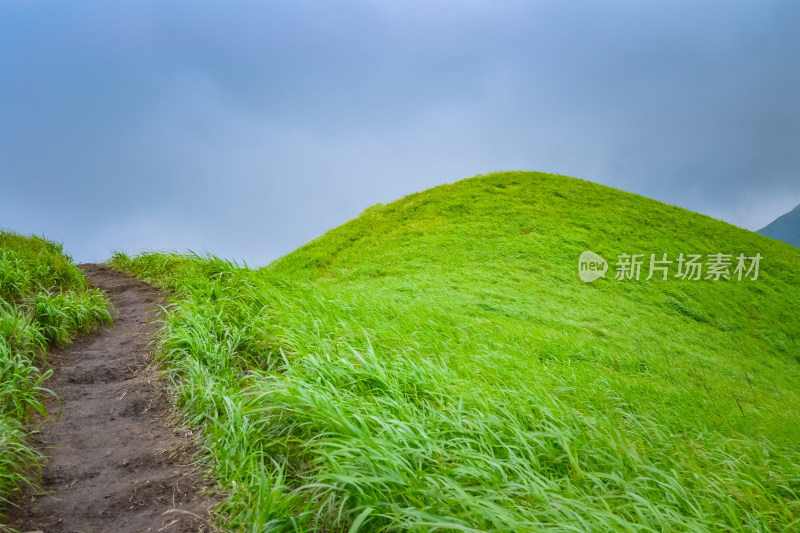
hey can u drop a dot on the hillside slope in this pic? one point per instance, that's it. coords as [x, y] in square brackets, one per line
[438, 363]
[502, 251]
[785, 228]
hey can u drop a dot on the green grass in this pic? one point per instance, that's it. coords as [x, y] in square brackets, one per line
[436, 364]
[44, 300]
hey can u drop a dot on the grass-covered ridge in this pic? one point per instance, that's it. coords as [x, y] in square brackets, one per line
[437, 364]
[44, 300]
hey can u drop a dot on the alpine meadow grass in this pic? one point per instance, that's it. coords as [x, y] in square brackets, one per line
[44, 300]
[436, 364]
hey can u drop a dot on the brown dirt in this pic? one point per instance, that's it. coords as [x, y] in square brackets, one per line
[118, 461]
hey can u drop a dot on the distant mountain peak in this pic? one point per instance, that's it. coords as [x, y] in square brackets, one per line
[785, 228]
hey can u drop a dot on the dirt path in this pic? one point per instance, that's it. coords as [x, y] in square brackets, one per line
[117, 463]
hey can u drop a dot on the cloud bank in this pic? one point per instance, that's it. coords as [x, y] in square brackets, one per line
[248, 128]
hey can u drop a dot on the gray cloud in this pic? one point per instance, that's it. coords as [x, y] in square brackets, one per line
[249, 129]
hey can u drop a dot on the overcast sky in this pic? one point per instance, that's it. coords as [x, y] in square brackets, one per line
[248, 128]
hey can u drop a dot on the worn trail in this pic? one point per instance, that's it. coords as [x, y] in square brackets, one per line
[117, 462]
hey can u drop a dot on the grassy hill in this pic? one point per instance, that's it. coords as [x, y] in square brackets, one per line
[438, 364]
[785, 228]
[44, 300]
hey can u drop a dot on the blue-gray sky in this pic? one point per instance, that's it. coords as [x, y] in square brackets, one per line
[246, 128]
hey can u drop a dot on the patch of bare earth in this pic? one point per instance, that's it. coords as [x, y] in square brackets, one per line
[117, 461]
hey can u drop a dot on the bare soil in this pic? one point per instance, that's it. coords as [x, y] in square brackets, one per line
[118, 461]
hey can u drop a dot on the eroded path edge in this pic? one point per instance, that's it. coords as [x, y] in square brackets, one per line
[118, 462]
